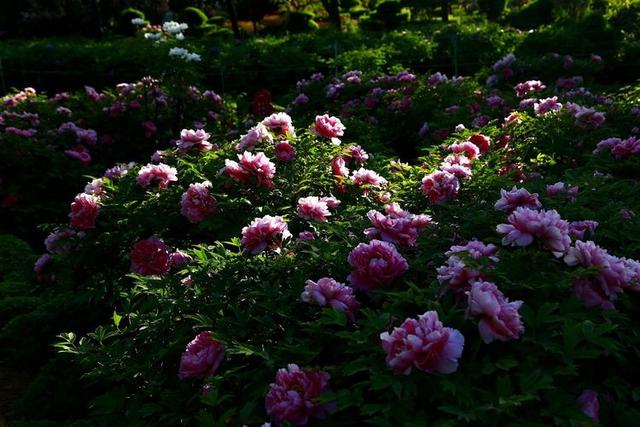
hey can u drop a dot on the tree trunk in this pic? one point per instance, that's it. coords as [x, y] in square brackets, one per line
[444, 10]
[332, 7]
[231, 9]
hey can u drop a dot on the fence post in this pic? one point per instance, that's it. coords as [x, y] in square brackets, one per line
[454, 42]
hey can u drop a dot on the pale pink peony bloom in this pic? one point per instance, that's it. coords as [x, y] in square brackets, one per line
[468, 148]
[460, 172]
[268, 232]
[161, 175]
[375, 264]
[294, 396]
[440, 186]
[313, 208]
[196, 204]
[118, 171]
[257, 134]
[201, 358]
[339, 167]
[398, 226]
[484, 299]
[258, 166]
[511, 119]
[515, 198]
[327, 292]
[84, 212]
[150, 257]
[588, 401]
[355, 154]
[329, 127]
[424, 344]
[577, 229]
[285, 152]
[462, 266]
[194, 140]
[526, 225]
[280, 124]
[367, 177]
[506, 325]
[546, 106]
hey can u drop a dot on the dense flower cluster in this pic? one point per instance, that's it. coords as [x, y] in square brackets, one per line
[424, 344]
[620, 148]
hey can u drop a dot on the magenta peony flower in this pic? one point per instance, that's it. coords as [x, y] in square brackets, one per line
[423, 344]
[280, 124]
[588, 401]
[517, 197]
[262, 233]
[285, 152]
[293, 398]
[161, 175]
[526, 225]
[257, 134]
[375, 264]
[196, 203]
[150, 257]
[440, 187]
[194, 140]
[329, 293]
[201, 358]
[84, 212]
[179, 259]
[398, 226]
[258, 166]
[329, 127]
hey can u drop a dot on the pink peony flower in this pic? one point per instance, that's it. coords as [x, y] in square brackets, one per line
[546, 106]
[61, 241]
[262, 233]
[436, 79]
[463, 265]
[506, 325]
[375, 264]
[468, 148]
[364, 176]
[285, 152]
[526, 225]
[355, 154]
[517, 197]
[301, 99]
[562, 189]
[258, 166]
[621, 149]
[194, 139]
[179, 259]
[79, 152]
[293, 398]
[161, 175]
[398, 226]
[257, 134]
[329, 293]
[459, 171]
[424, 344]
[201, 358]
[588, 401]
[577, 229]
[484, 299]
[149, 129]
[524, 88]
[84, 212]
[315, 208]
[150, 257]
[440, 186]
[329, 127]
[280, 124]
[601, 289]
[40, 267]
[339, 168]
[196, 203]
